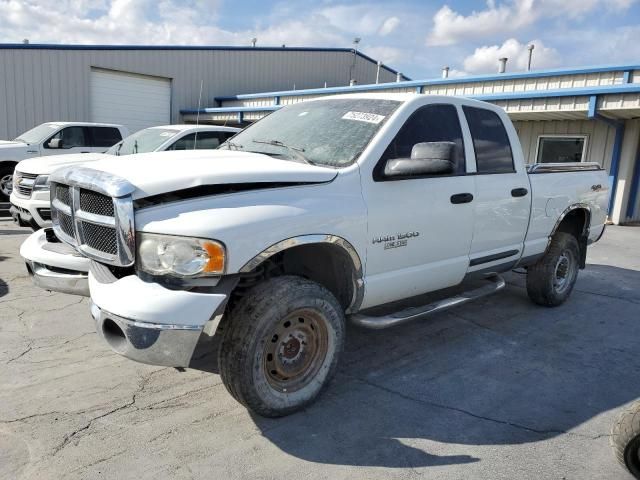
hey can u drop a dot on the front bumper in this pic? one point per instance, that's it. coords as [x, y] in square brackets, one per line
[152, 343]
[149, 323]
[55, 266]
[34, 212]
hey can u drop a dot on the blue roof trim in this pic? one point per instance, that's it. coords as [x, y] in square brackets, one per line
[561, 92]
[194, 111]
[441, 81]
[50, 46]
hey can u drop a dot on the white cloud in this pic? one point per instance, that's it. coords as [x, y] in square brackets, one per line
[485, 59]
[497, 20]
[389, 25]
[450, 27]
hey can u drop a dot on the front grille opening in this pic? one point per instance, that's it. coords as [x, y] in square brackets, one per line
[100, 238]
[114, 335]
[66, 224]
[63, 195]
[93, 202]
[44, 213]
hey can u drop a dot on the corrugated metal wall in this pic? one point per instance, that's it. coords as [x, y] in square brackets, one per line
[599, 144]
[39, 85]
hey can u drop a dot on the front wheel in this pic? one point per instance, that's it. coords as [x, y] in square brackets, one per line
[625, 439]
[551, 280]
[281, 344]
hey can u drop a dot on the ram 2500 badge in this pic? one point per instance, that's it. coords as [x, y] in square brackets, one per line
[320, 212]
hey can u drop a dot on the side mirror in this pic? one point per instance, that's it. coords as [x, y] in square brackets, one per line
[55, 143]
[427, 158]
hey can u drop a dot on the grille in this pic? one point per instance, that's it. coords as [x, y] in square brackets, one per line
[96, 203]
[66, 224]
[86, 219]
[62, 194]
[23, 188]
[100, 238]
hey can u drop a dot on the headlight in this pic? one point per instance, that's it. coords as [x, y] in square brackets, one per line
[41, 183]
[179, 256]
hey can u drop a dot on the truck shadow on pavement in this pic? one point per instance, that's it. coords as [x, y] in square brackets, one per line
[498, 371]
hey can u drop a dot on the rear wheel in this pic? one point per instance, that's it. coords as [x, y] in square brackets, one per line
[281, 344]
[551, 280]
[625, 439]
[6, 182]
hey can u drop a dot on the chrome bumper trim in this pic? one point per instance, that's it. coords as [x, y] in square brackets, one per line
[151, 343]
[74, 283]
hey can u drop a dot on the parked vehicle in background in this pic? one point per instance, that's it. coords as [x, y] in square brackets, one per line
[54, 138]
[356, 205]
[30, 196]
[625, 439]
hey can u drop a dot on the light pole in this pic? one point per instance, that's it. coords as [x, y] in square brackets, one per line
[530, 48]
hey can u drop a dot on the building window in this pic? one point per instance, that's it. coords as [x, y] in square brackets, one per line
[561, 149]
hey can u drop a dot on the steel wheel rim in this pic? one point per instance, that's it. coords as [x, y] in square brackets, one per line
[6, 184]
[563, 272]
[295, 350]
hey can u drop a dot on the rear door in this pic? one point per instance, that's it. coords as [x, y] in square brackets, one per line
[503, 200]
[420, 234]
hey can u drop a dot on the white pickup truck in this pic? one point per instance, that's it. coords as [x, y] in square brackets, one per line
[320, 212]
[55, 138]
[30, 203]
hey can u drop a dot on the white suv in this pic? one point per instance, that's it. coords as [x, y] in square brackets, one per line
[30, 205]
[55, 138]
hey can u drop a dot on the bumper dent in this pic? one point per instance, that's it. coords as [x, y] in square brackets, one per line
[156, 344]
[74, 283]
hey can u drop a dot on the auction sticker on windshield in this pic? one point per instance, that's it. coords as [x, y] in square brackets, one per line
[363, 117]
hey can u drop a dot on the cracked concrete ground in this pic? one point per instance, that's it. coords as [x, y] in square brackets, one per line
[496, 389]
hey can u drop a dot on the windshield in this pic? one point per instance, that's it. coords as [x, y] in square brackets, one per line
[39, 133]
[327, 132]
[147, 140]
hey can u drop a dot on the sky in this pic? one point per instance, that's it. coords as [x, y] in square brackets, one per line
[415, 37]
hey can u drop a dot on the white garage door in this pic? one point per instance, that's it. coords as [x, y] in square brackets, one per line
[135, 101]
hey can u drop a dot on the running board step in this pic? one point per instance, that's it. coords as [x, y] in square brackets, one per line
[496, 284]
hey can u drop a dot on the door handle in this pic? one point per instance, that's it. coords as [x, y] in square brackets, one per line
[85, 152]
[461, 198]
[519, 192]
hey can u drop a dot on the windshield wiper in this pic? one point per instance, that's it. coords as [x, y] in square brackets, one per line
[118, 149]
[135, 147]
[296, 151]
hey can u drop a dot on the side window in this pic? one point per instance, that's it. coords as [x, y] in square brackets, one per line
[204, 140]
[70, 137]
[184, 143]
[490, 141]
[431, 123]
[105, 136]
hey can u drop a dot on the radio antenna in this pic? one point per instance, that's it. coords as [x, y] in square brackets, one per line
[195, 138]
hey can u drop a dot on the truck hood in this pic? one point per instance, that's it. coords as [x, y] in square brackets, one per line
[46, 165]
[157, 173]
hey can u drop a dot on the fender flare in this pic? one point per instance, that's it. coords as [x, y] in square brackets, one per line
[358, 280]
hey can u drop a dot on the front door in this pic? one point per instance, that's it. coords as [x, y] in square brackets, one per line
[70, 140]
[419, 227]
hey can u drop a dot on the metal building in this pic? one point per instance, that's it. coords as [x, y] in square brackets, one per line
[141, 86]
[579, 114]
